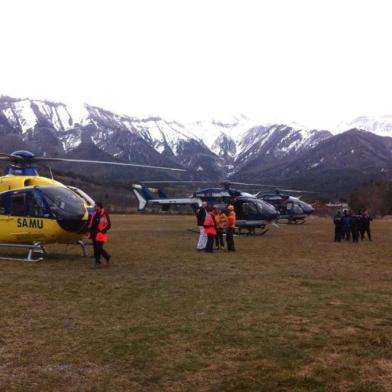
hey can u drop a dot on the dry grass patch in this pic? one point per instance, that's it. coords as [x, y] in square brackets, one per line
[290, 311]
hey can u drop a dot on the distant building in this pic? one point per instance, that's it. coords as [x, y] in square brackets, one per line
[330, 208]
[338, 206]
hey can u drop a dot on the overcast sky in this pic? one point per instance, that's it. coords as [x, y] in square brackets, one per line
[309, 61]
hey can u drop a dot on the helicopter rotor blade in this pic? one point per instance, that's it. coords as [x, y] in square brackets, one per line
[255, 185]
[277, 187]
[11, 158]
[296, 190]
[30, 158]
[176, 182]
[44, 159]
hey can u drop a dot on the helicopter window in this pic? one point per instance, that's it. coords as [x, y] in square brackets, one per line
[63, 202]
[36, 206]
[18, 204]
[249, 209]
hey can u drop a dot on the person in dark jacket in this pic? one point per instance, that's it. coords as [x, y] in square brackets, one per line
[231, 223]
[347, 225]
[99, 226]
[338, 222]
[365, 226]
[355, 226]
[201, 214]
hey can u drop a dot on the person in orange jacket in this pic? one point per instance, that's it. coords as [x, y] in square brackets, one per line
[231, 222]
[210, 230]
[221, 225]
[98, 228]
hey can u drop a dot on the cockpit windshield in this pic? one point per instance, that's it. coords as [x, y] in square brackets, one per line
[63, 202]
[305, 206]
[265, 207]
[83, 195]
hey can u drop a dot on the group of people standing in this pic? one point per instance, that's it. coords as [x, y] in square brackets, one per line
[213, 223]
[350, 226]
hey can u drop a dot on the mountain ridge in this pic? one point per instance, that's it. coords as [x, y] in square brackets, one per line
[210, 150]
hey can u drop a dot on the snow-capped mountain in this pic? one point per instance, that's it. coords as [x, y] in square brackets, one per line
[222, 137]
[335, 165]
[57, 129]
[210, 150]
[381, 126]
[210, 147]
[261, 146]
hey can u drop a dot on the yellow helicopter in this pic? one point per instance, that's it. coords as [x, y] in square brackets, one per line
[36, 210]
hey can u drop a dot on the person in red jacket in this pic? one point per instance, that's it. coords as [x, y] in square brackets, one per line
[98, 228]
[210, 230]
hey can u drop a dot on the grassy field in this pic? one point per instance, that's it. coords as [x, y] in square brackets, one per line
[290, 311]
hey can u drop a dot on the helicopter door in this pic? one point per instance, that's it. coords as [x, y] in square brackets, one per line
[25, 210]
[27, 203]
[3, 204]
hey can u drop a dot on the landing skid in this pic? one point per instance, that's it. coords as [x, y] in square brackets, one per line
[252, 231]
[84, 249]
[263, 231]
[36, 251]
[198, 232]
[292, 222]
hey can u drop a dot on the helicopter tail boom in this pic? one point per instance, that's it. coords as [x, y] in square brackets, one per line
[144, 197]
[142, 194]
